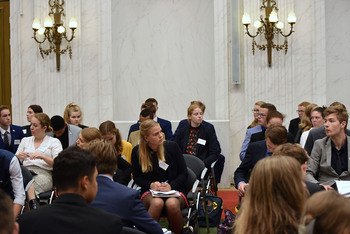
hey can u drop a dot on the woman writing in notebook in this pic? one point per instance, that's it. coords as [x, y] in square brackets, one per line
[160, 166]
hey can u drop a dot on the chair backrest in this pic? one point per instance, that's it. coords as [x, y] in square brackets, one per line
[191, 179]
[195, 164]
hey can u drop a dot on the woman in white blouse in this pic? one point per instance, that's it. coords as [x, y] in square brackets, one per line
[38, 152]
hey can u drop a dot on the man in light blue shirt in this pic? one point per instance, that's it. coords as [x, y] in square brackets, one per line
[263, 111]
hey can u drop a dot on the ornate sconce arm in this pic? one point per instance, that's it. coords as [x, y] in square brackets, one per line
[36, 39]
[247, 31]
[290, 32]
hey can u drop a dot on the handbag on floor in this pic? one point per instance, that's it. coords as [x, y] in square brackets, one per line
[227, 224]
[214, 208]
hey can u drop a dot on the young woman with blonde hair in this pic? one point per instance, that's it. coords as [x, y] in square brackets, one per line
[274, 199]
[73, 115]
[160, 166]
[256, 113]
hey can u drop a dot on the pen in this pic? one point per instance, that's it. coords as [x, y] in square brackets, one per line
[165, 182]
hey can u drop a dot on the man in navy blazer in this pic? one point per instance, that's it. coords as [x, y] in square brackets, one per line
[116, 198]
[276, 134]
[164, 124]
[151, 104]
[14, 132]
[74, 173]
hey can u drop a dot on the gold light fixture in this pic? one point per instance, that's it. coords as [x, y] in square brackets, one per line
[269, 27]
[54, 31]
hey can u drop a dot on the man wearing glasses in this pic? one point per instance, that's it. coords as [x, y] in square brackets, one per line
[263, 111]
[294, 123]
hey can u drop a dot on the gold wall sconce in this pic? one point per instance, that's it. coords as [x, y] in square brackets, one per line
[269, 27]
[54, 32]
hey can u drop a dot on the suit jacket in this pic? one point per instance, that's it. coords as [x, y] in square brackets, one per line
[313, 188]
[184, 123]
[164, 124]
[166, 128]
[69, 213]
[293, 127]
[16, 137]
[176, 172]
[125, 202]
[73, 134]
[319, 168]
[315, 134]
[255, 152]
[26, 131]
[209, 152]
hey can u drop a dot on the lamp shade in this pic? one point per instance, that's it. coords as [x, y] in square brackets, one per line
[292, 18]
[48, 22]
[246, 18]
[36, 24]
[73, 23]
[273, 16]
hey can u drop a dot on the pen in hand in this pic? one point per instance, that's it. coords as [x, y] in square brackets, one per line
[165, 182]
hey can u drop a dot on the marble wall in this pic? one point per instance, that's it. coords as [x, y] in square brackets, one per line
[177, 51]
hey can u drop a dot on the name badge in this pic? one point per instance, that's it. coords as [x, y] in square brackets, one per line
[24, 131]
[123, 157]
[41, 149]
[17, 141]
[163, 165]
[201, 141]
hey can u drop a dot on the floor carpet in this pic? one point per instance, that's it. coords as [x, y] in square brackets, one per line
[230, 201]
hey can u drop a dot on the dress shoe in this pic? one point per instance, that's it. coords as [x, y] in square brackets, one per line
[33, 204]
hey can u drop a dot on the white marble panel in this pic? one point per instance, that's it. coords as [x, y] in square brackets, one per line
[163, 49]
[338, 51]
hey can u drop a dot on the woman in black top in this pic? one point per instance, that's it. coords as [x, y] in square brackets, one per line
[160, 166]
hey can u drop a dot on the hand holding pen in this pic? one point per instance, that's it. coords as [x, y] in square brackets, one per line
[165, 187]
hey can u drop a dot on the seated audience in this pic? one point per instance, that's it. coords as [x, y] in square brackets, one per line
[305, 123]
[123, 174]
[329, 157]
[256, 112]
[111, 134]
[134, 131]
[327, 212]
[273, 201]
[115, 198]
[317, 120]
[263, 112]
[297, 152]
[294, 123]
[197, 139]
[7, 222]
[11, 135]
[32, 109]
[159, 165]
[73, 115]
[275, 135]
[11, 180]
[164, 124]
[38, 152]
[74, 174]
[68, 134]
[319, 133]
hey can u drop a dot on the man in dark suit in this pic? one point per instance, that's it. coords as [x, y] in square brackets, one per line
[275, 135]
[294, 123]
[164, 124]
[11, 135]
[152, 107]
[116, 198]
[74, 175]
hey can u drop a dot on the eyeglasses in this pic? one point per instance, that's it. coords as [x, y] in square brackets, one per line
[300, 111]
[255, 110]
[261, 115]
